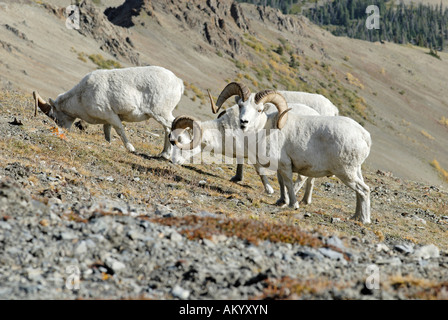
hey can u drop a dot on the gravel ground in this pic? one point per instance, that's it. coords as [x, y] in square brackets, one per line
[80, 224]
[44, 252]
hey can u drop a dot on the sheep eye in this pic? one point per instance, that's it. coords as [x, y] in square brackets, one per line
[259, 111]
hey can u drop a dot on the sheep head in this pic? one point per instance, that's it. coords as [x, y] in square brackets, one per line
[179, 126]
[251, 112]
[51, 110]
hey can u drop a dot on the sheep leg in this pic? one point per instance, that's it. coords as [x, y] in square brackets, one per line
[307, 197]
[166, 124]
[288, 182]
[239, 173]
[356, 183]
[282, 201]
[118, 126]
[167, 147]
[106, 129]
[264, 180]
[300, 181]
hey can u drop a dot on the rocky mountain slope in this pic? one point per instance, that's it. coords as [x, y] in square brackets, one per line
[135, 226]
[81, 218]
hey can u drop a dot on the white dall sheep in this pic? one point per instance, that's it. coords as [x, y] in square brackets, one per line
[295, 99]
[312, 146]
[313, 100]
[109, 97]
[227, 124]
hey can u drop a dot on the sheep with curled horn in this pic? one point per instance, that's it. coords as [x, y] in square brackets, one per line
[226, 124]
[109, 97]
[313, 146]
[299, 102]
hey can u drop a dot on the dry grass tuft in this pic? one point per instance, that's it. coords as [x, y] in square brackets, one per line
[354, 81]
[433, 292]
[194, 227]
[444, 121]
[288, 288]
[418, 288]
[442, 172]
[427, 135]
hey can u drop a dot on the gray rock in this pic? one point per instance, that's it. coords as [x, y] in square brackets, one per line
[114, 264]
[33, 274]
[66, 235]
[180, 293]
[81, 248]
[331, 254]
[5, 225]
[135, 235]
[164, 211]
[395, 261]
[336, 242]
[382, 247]
[427, 252]
[404, 248]
[208, 243]
[175, 236]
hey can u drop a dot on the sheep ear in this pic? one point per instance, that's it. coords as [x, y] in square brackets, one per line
[267, 106]
[237, 99]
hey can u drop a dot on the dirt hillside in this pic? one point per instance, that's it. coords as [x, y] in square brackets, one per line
[397, 92]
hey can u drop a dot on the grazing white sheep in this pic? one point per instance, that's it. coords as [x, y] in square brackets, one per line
[313, 100]
[312, 146]
[222, 130]
[109, 97]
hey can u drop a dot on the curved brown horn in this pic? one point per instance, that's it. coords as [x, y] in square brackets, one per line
[184, 122]
[276, 99]
[232, 89]
[39, 102]
[280, 118]
[212, 103]
[221, 114]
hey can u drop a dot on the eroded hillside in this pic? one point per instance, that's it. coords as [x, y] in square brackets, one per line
[397, 92]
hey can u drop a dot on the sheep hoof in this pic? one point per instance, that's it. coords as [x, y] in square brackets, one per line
[269, 189]
[294, 206]
[130, 147]
[165, 155]
[359, 218]
[281, 203]
[236, 178]
[305, 201]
